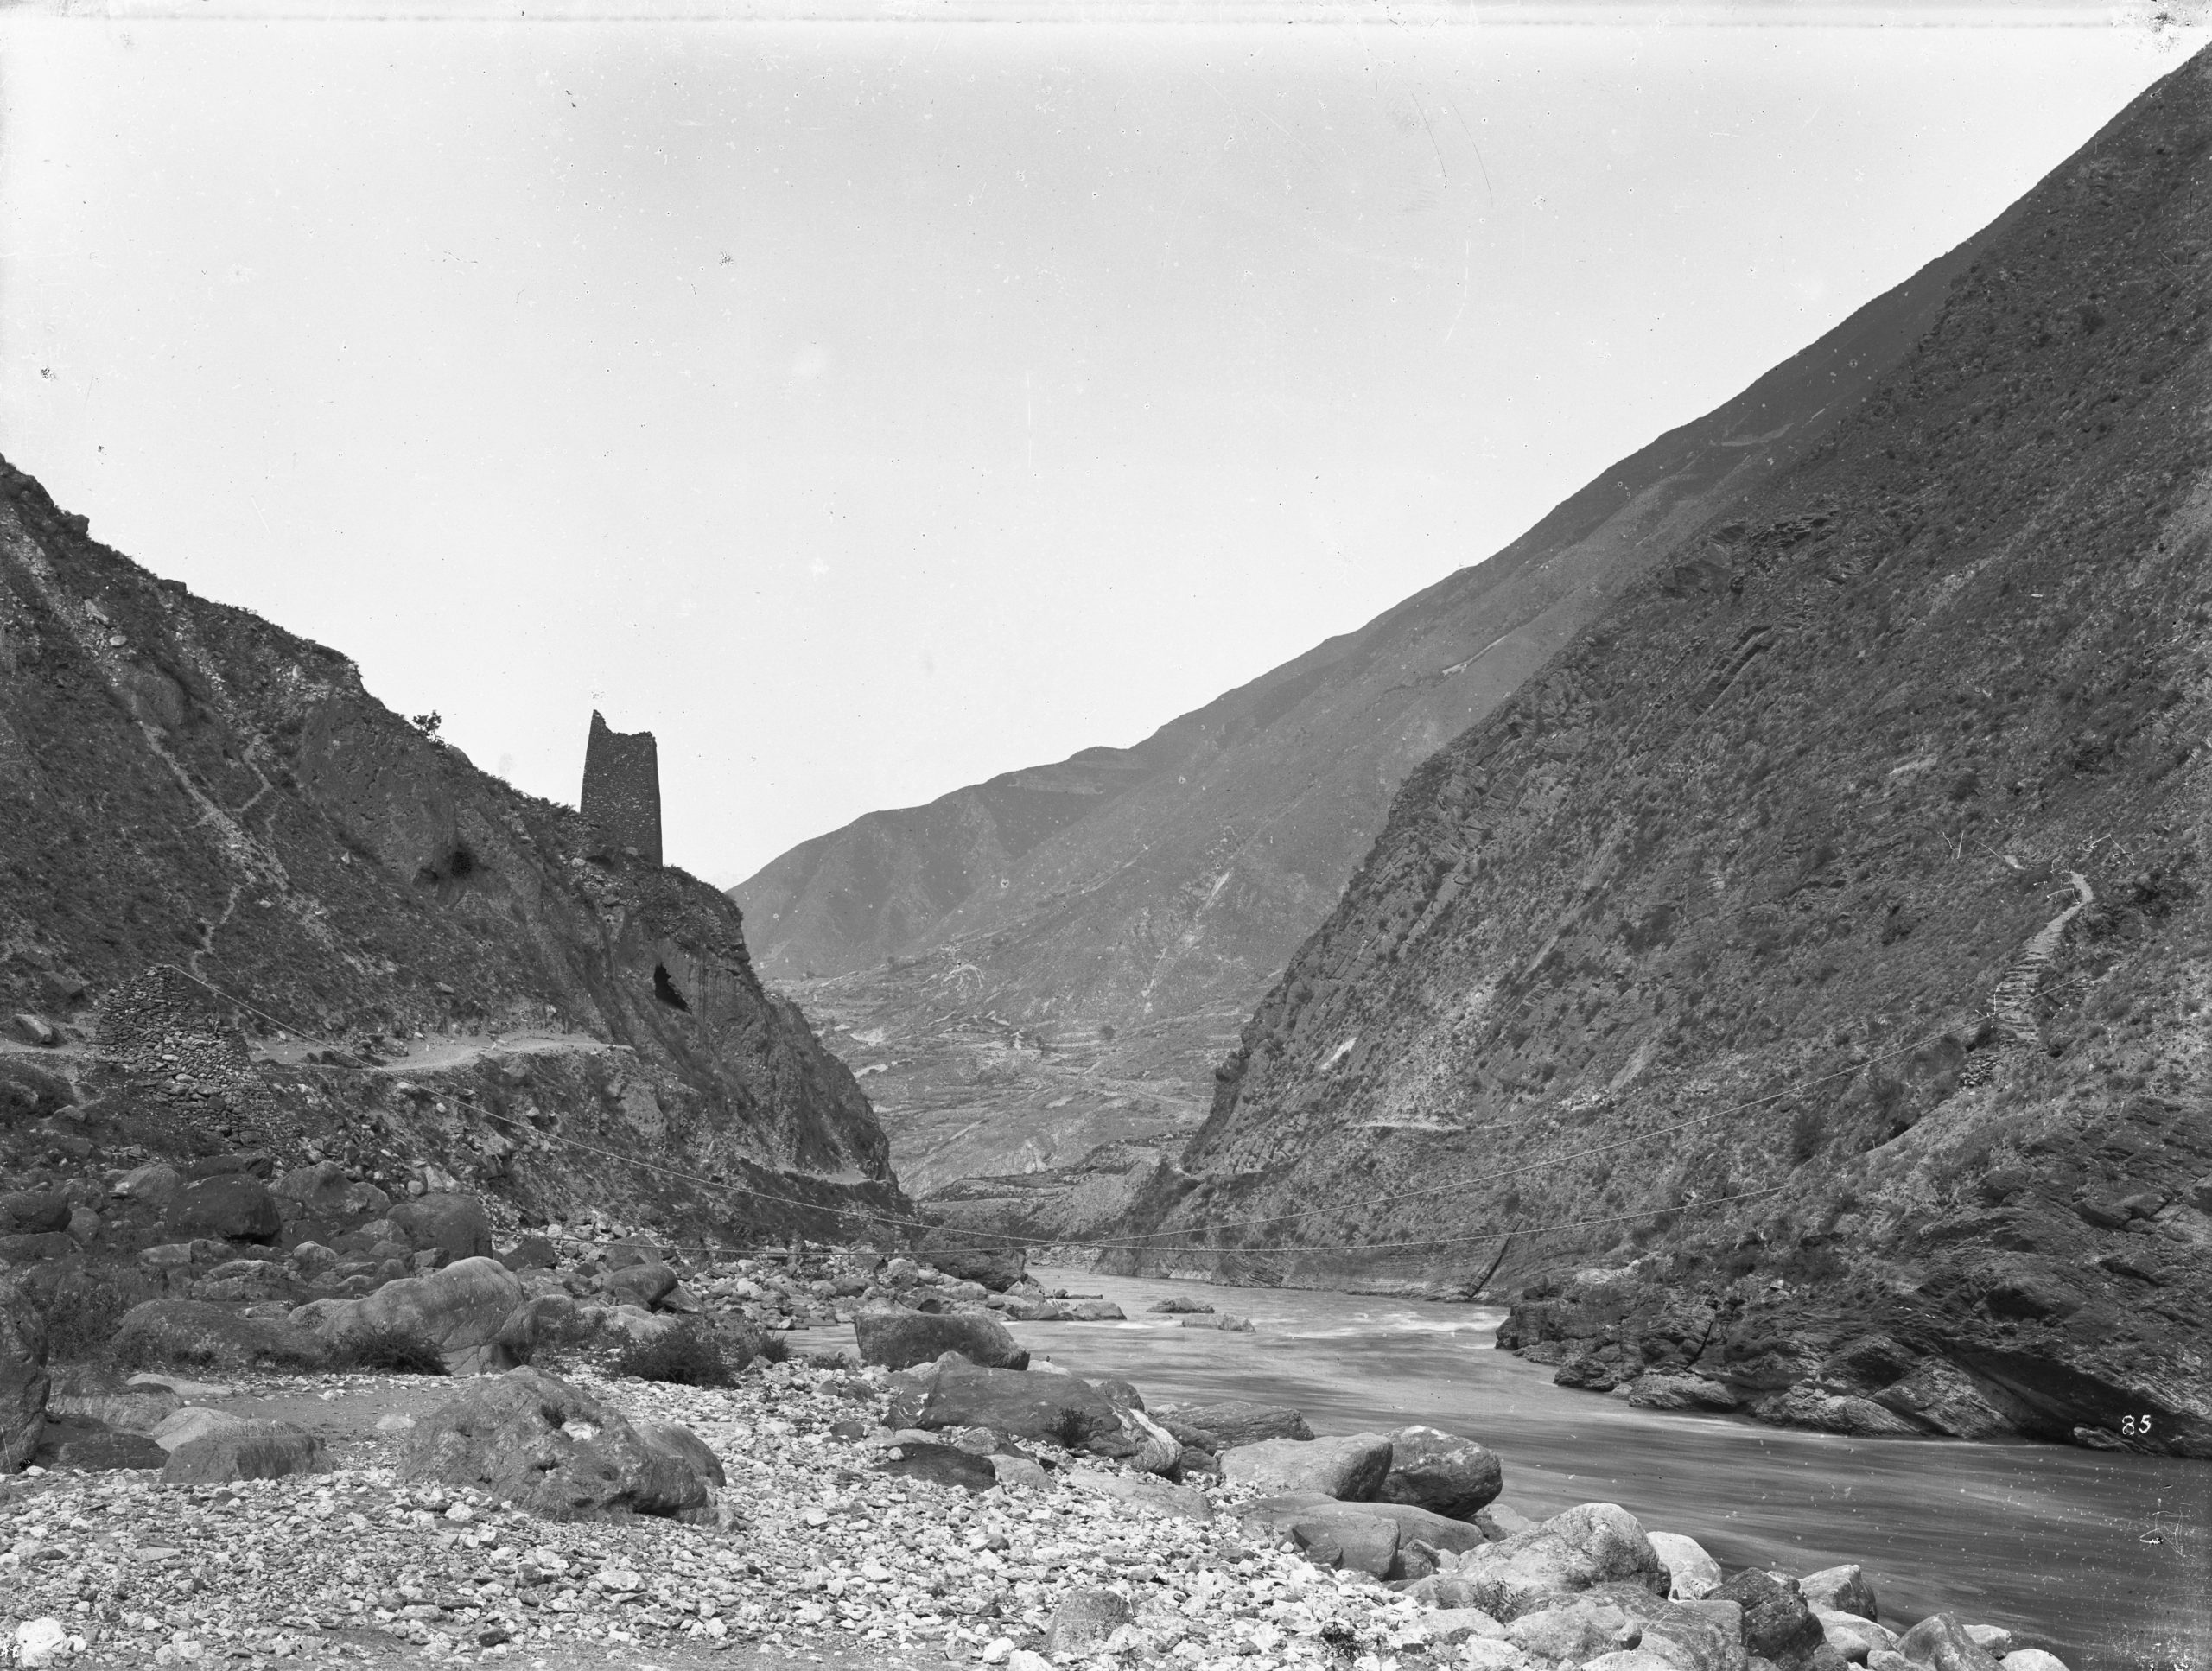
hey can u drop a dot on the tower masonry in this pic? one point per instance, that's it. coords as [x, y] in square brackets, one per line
[621, 798]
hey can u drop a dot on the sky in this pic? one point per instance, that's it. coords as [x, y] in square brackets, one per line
[869, 407]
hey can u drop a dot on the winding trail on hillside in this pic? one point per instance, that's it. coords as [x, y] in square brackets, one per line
[2012, 1004]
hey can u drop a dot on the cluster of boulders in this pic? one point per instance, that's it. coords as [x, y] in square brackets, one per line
[239, 1267]
[1415, 1509]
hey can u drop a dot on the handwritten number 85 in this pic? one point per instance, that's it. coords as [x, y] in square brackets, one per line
[2135, 1426]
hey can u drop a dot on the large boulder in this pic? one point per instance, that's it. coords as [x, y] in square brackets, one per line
[673, 1440]
[645, 1285]
[229, 1207]
[943, 1465]
[1854, 1636]
[128, 1410]
[454, 1225]
[1143, 1444]
[181, 1426]
[1940, 1641]
[1448, 1476]
[1580, 1628]
[204, 1334]
[463, 1309]
[1688, 1635]
[88, 1447]
[245, 1450]
[1363, 1537]
[33, 1212]
[534, 1440]
[1693, 1573]
[1062, 1408]
[1777, 1625]
[1350, 1469]
[324, 1193]
[533, 1253]
[1223, 1426]
[898, 1339]
[1840, 1590]
[1084, 1620]
[1326, 1532]
[37, 1248]
[963, 1257]
[1590, 1544]
[153, 1182]
[23, 1381]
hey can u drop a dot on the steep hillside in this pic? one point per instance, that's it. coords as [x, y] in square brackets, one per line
[1802, 981]
[1156, 890]
[218, 850]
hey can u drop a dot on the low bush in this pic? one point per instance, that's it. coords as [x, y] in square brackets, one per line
[689, 1355]
[388, 1350]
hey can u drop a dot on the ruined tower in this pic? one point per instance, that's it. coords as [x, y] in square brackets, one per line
[621, 798]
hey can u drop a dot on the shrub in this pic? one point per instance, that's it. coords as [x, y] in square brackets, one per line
[1070, 1428]
[687, 1355]
[389, 1351]
[1808, 1131]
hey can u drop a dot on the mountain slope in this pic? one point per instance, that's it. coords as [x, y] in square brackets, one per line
[1809, 967]
[208, 824]
[1156, 890]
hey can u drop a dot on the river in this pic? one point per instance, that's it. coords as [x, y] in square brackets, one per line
[2101, 1557]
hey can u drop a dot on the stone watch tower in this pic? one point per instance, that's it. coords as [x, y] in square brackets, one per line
[621, 798]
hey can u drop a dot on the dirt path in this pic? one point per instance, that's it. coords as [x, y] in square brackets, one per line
[2012, 1004]
[448, 1051]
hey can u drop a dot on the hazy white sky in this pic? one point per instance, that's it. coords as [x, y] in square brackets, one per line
[869, 408]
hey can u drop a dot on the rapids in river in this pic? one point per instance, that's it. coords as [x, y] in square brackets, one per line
[2101, 1557]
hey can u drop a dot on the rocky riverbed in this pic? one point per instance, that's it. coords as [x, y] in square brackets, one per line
[947, 1501]
[824, 1550]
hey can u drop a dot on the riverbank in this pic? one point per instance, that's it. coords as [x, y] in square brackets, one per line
[826, 1542]
[2100, 1552]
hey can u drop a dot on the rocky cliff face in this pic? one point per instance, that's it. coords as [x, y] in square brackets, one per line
[1801, 982]
[1155, 891]
[231, 879]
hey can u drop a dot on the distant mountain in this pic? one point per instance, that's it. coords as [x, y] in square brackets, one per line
[1800, 983]
[217, 847]
[1157, 890]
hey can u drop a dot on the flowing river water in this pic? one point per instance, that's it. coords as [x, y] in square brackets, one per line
[2104, 1558]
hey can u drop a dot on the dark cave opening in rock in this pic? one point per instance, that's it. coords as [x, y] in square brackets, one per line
[664, 989]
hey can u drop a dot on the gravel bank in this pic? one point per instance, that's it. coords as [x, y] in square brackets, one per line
[829, 1557]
